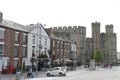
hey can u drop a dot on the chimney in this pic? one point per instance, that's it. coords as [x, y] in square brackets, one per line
[1, 17]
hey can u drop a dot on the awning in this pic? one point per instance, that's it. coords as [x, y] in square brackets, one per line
[58, 60]
[68, 60]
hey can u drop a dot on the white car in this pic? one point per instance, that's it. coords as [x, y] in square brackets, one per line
[61, 71]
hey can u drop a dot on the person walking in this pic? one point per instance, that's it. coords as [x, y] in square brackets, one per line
[29, 74]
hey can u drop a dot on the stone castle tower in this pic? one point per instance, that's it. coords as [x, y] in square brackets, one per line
[96, 36]
[105, 42]
[110, 45]
[77, 34]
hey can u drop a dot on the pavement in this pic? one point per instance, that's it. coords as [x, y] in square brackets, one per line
[21, 77]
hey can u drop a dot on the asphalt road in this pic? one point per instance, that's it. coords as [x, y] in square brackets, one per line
[79, 74]
[86, 74]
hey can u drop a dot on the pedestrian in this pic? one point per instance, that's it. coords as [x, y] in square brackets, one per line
[32, 75]
[110, 65]
[29, 74]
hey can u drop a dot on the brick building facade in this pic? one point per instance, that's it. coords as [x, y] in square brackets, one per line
[13, 42]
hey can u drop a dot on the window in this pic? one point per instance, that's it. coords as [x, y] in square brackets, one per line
[53, 43]
[33, 49]
[33, 39]
[40, 40]
[57, 69]
[1, 49]
[2, 33]
[16, 51]
[61, 45]
[16, 36]
[45, 41]
[16, 63]
[24, 51]
[24, 37]
[58, 44]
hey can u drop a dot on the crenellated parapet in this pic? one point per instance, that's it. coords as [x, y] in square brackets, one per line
[109, 28]
[95, 24]
[70, 29]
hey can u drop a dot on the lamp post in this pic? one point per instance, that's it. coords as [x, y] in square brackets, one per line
[45, 58]
[36, 60]
[40, 47]
[23, 64]
[36, 66]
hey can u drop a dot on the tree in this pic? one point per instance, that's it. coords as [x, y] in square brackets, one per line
[98, 57]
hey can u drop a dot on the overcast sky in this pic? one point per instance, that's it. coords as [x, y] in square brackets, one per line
[55, 13]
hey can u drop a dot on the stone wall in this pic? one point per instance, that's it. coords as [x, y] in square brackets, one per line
[77, 34]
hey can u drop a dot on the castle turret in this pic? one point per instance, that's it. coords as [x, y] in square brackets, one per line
[96, 36]
[109, 28]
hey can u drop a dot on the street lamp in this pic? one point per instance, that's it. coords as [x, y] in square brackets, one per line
[40, 47]
[45, 58]
[23, 64]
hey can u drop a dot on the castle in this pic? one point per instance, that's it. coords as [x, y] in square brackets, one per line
[86, 47]
[76, 34]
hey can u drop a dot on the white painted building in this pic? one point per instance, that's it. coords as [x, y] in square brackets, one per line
[38, 41]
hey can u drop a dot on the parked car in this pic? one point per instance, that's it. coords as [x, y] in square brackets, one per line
[60, 71]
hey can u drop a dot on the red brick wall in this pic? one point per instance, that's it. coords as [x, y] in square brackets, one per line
[9, 46]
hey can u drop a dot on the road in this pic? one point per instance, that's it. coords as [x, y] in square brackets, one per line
[79, 74]
[85, 74]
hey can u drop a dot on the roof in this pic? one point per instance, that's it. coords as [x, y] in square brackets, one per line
[30, 27]
[13, 25]
[17, 26]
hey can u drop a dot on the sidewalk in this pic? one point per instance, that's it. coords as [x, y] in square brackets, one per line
[22, 76]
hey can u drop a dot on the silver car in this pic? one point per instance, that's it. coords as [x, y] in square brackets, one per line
[61, 71]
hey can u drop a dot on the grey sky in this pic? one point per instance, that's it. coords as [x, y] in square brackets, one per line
[55, 13]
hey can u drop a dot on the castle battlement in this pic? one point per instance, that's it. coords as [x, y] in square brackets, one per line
[109, 28]
[96, 24]
[70, 29]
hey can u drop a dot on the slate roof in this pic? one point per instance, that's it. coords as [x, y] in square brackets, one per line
[13, 25]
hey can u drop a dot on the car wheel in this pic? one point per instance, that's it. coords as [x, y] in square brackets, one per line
[64, 74]
[60, 74]
[48, 74]
[52, 75]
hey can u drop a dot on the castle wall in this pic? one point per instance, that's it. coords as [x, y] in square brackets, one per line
[104, 42]
[77, 34]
